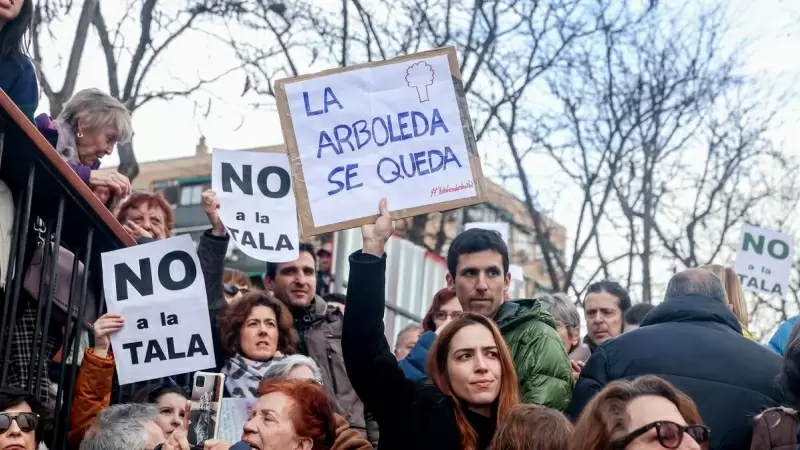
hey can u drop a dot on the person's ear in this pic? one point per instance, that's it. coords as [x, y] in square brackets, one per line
[451, 282]
[80, 128]
[507, 282]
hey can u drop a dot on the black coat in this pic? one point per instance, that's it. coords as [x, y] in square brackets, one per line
[410, 415]
[696, 344]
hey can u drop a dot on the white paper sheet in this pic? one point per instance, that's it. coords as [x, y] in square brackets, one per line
[391, 131]
[263, 219]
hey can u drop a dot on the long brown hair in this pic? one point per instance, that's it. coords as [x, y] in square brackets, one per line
[507, 398]
[533, 427]
[439, 299]
[605, 419]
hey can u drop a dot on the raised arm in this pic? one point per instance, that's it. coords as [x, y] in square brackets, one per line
[371, 366]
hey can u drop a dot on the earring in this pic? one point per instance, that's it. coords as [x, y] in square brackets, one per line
[80, 135]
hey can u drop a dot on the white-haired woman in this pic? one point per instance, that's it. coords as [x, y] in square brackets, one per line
[294, 367]
[88, 128]
[568, 325]
[299, 367]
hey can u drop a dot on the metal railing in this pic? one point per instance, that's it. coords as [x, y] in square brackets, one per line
[52, 205]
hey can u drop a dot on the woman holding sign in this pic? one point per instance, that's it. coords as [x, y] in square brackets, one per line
[473, 381]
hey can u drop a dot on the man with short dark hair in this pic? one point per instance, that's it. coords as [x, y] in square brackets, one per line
[635, 315]
[320, 331]
[694, 341]
[477, 262]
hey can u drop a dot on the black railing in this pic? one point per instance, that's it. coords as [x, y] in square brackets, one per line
[52, 205]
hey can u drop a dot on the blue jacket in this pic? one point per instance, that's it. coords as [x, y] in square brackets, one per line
[414, 365]
[18, 80]
[781, 336]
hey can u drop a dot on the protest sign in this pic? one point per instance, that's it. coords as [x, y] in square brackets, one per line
[764, 260]
[257, 202]
[500, 227]
[159, 290]
[398, 129]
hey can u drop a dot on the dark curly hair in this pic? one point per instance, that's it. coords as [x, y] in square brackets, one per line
[234, 316]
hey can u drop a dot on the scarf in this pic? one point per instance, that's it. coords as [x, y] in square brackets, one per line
[242, 376]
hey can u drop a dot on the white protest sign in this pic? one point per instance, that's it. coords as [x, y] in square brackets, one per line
[257, 203]
[764, 260]
[397, 129]
[517, 273]
[500, 227]
[159, 290]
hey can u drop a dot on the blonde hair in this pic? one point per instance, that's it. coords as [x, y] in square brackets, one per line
[733, 291]
[98, 110]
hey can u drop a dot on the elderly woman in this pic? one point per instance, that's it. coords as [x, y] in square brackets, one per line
[90, 125]
[21, 419]
[146, 216]
[254, 331]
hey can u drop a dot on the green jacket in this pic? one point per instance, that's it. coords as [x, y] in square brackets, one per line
[543, 367]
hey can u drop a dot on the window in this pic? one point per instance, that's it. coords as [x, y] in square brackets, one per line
[523, 246]
[192, 194]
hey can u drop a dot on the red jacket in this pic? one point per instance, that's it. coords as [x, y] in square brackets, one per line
[92, 394]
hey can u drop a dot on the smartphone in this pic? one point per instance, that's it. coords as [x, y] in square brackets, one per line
[207, 390]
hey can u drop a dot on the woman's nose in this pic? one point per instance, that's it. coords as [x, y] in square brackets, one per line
[689, 443]
[480, 364]
[13, 429]
[249, 427]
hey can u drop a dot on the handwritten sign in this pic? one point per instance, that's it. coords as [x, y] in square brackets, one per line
[159, 290]
[257, 203]
[764, 260]
[398, 129]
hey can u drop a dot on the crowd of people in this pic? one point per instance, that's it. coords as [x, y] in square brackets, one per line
[481, 371]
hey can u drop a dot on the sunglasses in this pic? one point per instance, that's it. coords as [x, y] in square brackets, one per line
[232, 289]
[26, 421]
[670, 434]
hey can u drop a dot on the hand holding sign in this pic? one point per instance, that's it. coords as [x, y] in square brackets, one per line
[177, 441]
[375, 237]
[107, 324]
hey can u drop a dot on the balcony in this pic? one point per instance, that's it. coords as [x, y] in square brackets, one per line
[51, 204]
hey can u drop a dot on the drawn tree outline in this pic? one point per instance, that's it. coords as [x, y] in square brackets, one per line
[420, 75]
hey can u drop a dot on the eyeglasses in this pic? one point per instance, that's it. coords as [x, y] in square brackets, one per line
[670, 434]
[26, 421]
[443, 315]
[232, 289]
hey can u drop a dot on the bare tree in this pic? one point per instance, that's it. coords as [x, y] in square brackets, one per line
[516, 40]
[159, 27]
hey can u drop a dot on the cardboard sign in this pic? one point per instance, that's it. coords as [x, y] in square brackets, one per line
[398, 129]
[257, 203]
[159, 290]
[500, 227]
[764, 260]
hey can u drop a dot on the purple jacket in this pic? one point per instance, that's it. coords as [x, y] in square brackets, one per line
[49, 130]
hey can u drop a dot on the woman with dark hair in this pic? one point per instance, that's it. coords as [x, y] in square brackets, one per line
[253, 331]
[170, 399]
[779, 428]
[473, 384]
[22, 419]
[647, 413]
[604, 308]
[17, 74]
[444, 308]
